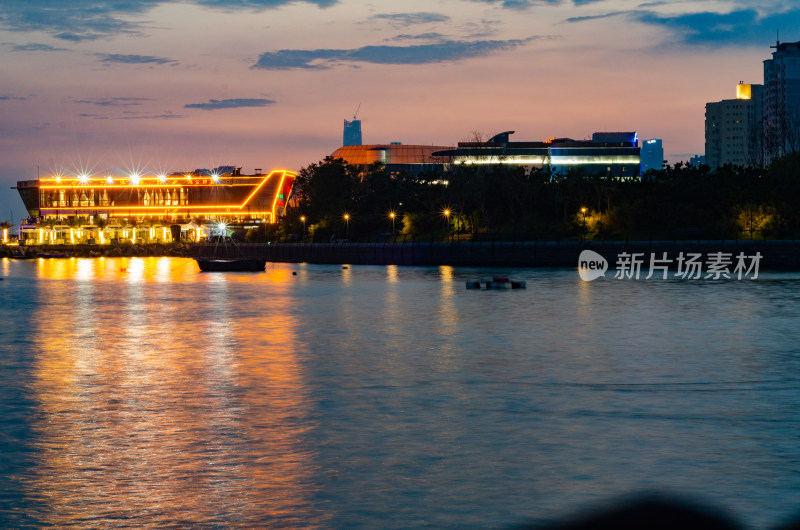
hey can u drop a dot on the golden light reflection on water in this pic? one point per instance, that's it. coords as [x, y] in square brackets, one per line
[158, 406]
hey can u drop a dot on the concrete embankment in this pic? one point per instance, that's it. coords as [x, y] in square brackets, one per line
[774, 254]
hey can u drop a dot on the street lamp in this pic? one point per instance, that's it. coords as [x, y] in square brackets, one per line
[392, 215]
[446, 214]
[347, 225]
[583, 211]
[303, 220]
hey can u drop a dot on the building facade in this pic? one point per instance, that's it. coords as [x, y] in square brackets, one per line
[608, 153]
[412, 159]
[782, 99]
[352, 132]
[230, 197]
[733, 129]
[652, 154]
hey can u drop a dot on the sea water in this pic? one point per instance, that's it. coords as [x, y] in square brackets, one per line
[140, 392]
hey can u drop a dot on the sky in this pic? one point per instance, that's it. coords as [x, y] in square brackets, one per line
[116, 86]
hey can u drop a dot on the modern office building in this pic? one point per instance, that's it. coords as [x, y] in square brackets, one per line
[733, 129]
[652, 154]
[165, 199]
[412, 159]
[782, 99]
[608, 153]
[352, 132]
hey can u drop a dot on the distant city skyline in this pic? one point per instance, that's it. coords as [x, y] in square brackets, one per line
[159, 86]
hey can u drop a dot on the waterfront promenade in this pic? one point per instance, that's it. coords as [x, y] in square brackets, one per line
[775, 254]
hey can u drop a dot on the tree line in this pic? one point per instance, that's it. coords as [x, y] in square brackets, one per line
[334, 200]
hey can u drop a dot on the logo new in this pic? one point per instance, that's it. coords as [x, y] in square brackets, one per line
[591, 265]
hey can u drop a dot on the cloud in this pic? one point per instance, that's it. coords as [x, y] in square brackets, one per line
[109, 58]
[741, 27]
[420, 54]
[35, 47]
[421, 36]
[407, 19]
[595, 17]
[113, 102]
[216, 104]
[518, 4]
[168, 116]
[96, 20]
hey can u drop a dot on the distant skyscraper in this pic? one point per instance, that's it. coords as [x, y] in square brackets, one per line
[733, 129]
[352, 132]
[652, 154]
[782, 99]
[697, 160]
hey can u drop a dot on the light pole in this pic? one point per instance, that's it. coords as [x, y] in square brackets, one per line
[347, 225]
[583, 211]
[392, 215]
[303, 220]
[446, 213]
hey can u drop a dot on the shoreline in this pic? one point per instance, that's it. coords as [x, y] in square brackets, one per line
[775, 254]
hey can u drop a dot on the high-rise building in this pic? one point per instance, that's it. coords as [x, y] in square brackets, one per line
[782, 99]
[352, 132]
[733, 129]
[652, 154]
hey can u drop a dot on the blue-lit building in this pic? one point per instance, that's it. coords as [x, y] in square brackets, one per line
[608, 153]
[652, 154]
[352, 132]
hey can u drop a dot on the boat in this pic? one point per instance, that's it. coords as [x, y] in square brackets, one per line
[497, 282]
[231, 265]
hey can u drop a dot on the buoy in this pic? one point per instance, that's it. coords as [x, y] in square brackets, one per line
[294, 273]
[344, 267]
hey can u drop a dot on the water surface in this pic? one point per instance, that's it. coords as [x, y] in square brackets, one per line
[141, 392]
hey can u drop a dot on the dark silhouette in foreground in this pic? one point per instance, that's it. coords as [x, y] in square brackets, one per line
[650, 512]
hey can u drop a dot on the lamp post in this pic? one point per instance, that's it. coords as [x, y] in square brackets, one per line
[583, 211]
[446, 213]
[303, 220]
[392, 215]
[347, 225]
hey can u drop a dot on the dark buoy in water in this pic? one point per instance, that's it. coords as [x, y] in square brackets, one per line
[344, 266]
[294, 273]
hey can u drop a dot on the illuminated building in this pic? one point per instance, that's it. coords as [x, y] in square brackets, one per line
[412, 159]
[733, 129]
[610, 153]
[230, 197]
[782, 99]
[652, 154]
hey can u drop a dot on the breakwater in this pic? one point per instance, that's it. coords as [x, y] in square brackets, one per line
[774, 254]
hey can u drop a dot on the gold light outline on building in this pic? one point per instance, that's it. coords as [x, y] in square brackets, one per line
[176, 210]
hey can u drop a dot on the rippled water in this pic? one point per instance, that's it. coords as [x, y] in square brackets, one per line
[140, 392]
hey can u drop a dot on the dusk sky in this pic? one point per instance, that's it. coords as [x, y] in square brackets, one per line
[149, 85]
